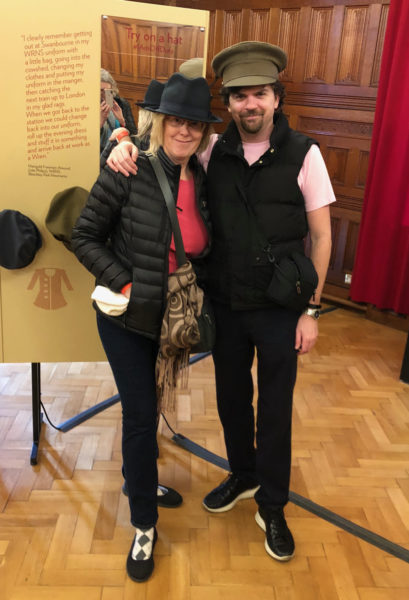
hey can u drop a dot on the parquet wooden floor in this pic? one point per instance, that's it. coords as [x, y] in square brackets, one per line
[64, 524]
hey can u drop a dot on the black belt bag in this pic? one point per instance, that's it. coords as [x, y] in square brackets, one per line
[294, 281]
[294, 278]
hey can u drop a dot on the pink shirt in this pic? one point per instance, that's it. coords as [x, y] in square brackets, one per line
[313, 178]
[193, 230]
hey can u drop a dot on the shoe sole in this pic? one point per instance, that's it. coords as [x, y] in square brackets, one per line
[260, 523]
[164, 505]
[142, 579]
[243, 496]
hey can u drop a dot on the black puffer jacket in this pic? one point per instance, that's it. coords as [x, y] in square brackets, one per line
[123, 235]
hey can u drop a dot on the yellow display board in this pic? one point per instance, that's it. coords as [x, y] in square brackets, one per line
[50, 128]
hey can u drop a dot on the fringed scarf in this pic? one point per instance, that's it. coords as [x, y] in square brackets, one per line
[179, 333]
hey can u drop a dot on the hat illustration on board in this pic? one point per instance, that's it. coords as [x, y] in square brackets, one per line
[20, 239]
[64, 210]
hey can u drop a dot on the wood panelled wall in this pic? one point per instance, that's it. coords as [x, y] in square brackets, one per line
[134, 70]
[334, 54]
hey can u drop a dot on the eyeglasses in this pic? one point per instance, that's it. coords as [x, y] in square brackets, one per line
[178, 123]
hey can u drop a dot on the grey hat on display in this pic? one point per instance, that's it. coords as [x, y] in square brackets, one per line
[192, 68]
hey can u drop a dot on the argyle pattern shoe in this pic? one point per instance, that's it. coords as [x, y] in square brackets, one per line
[279, 542]
[167, 496]
[140, 564]
[228, 493]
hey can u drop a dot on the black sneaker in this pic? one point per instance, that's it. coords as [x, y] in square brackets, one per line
[167, 496]
[228, 493]
[139, 564]
[279, 541]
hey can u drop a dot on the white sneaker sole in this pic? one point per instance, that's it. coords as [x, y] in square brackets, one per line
[242, 496]
[260, 523]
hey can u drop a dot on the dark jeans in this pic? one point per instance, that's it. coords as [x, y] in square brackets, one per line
[132, 358]
[272, 333]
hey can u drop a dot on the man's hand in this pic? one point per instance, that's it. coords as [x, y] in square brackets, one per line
[306, 333]
[123, 158]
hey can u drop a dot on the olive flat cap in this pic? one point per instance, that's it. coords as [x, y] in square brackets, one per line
[63, 212]
[249, 63]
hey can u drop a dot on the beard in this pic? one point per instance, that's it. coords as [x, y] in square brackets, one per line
[252, 126]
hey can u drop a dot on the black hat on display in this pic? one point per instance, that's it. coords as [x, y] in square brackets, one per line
[152, 95]
[249, 64]
[64, 210]
[187, 98]
[20, 239]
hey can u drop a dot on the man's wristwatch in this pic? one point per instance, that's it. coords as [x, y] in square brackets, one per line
[313, 310]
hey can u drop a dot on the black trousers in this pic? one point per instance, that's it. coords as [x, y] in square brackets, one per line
[270, 332]
[132, 359]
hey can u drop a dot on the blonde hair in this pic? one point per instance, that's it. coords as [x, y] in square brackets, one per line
[144, 123]
[158, 124]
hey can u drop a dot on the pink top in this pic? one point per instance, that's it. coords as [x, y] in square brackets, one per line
[313, 178]
[194, 232]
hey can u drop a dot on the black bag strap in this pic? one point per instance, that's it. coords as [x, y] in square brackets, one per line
[265, 244]
[170, 203]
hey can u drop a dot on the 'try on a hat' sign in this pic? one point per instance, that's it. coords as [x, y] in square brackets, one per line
[51, 121]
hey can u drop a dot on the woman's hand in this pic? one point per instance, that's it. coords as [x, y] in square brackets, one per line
[104, 112]
[117, 110]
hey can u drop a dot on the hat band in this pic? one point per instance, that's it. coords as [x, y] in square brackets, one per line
[254, 68]
[192, 113]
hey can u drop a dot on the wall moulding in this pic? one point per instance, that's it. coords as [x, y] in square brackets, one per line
[330, 101]
[334, 127]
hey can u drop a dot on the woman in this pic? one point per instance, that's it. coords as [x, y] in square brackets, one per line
[140, 138]
[123, 237]
[117, 114]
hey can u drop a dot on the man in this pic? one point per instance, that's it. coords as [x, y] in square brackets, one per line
[266, 183]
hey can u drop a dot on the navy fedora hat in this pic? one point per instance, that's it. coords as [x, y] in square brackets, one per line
[153, 95]
[187, 98]
[19, 239]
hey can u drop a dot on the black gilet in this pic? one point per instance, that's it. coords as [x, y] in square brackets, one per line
[252, 205]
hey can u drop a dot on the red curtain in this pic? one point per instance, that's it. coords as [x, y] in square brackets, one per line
[381, 271]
